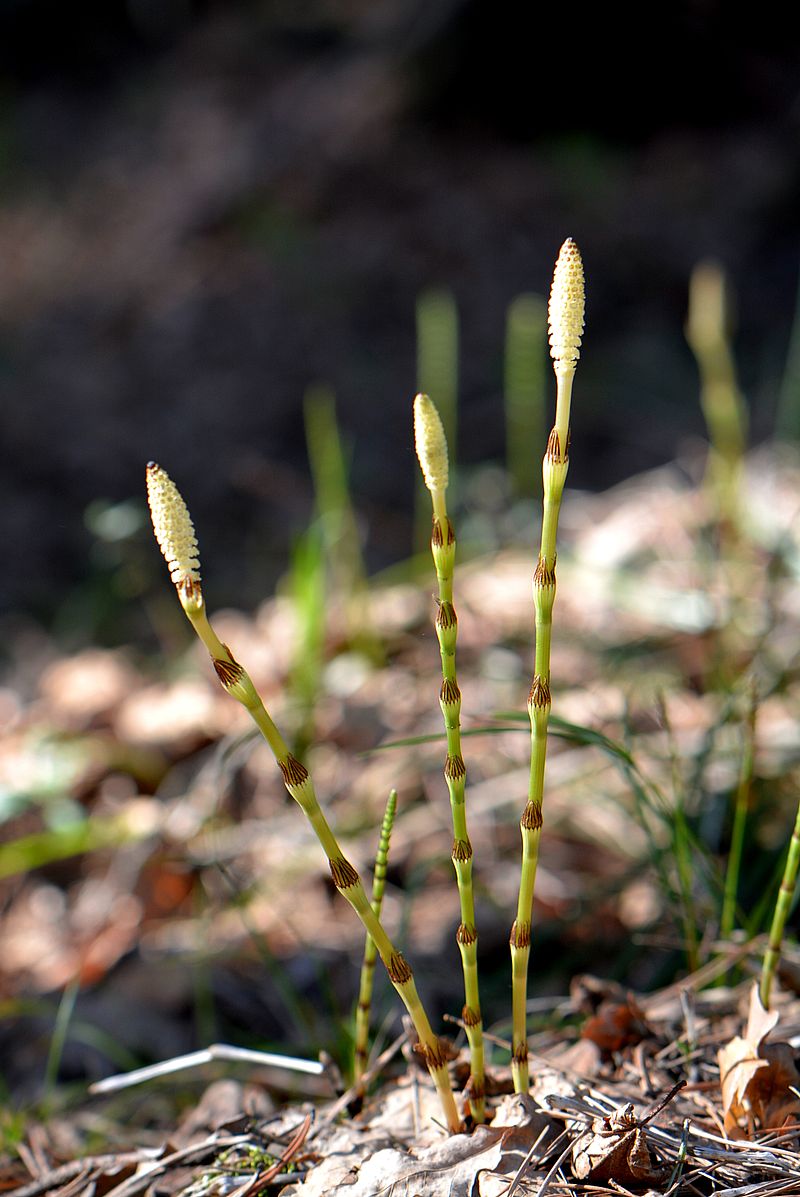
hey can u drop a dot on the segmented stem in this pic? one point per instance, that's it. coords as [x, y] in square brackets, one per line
[783, 905]
[361, 1050]
[566, 326]
[235, 679]
[432, 452]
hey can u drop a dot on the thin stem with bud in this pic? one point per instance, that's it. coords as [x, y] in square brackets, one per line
[565, 314]
[431, 447]
[175, 534]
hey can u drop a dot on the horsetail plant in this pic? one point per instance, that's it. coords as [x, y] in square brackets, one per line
[780, 914]
[364, 1006]
[175, 534]
[431, 445]
[565, 318]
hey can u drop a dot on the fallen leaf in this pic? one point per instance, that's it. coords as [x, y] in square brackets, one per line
[757, 1078]
[616, 1148]
[451, 1167]
[616, 1025]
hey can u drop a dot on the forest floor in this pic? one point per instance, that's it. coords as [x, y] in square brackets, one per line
[160, 892]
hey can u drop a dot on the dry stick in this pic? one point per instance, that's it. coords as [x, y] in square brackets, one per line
[206, 1055]
[780, 914]
[375, 1069]
[566, 326]
[361, 1050]
[175, 534]
[431, 447]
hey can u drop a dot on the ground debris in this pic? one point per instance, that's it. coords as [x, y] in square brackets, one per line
[450, 1167]
[616, 1148]
[185, 852]
[759, 1080]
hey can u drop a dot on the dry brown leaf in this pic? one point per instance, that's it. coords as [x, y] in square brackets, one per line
[616, 1148]
[616, 1025]
[757, 1078]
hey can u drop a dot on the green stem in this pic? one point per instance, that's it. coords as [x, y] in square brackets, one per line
[554, 473]
[443, 548]
[722, 403]
[742, 803]
[361, 1050]
[297, 780]
[780, 915]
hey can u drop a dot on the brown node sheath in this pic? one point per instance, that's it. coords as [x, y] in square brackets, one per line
[520, 936]
[399, 969]
[466, 934]
[539, 695]
[469, 1017]
[437, 535]
[192, 589]
[343, 873]
[553, 451]
[543, 576]
[475, 1090]
[228, 672]
[532, 817]
[294, 774]
[462, 850]
[446, 616]
[454, 768]
[449, 693]
[520, 1055]
[434, 1057]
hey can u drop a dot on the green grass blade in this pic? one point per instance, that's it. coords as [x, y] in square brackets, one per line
[524, 379]
[742, 800]
[58, 1039]
[341, 538]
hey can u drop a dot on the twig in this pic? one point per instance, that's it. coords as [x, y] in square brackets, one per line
[57, 1177]
[196, 1152]
[515, 1183]
[362, 1083]
[217, 1051]
[554, 1170]
[259, 1182]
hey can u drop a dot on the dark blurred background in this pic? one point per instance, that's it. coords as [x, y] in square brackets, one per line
[206, 207]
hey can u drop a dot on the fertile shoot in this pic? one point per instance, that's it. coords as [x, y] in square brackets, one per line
[565, 315]
[175, 535]
[431, 446]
